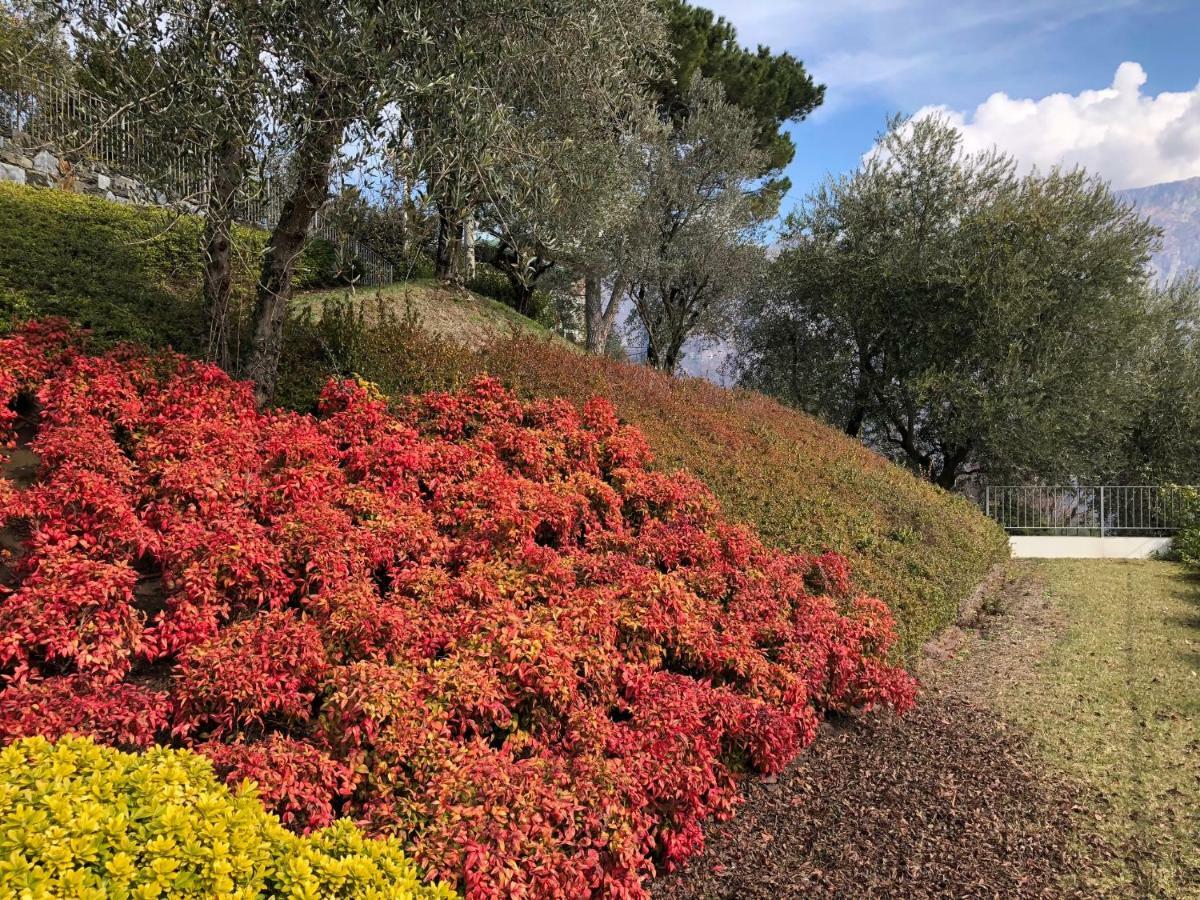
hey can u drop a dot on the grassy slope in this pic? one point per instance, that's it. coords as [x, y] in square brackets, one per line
[805, 486]
[1123, 696]
[453, 314]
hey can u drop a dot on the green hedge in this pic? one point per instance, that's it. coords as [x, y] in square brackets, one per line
[89, 822]
[127, 272]
[1185, 545]
[489, 282]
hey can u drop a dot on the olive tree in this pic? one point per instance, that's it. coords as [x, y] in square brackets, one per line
[453, 85]
[190, 75]
[1162, 442]
[573, 207]
[696, 225]
[524, 151]
[959, 317]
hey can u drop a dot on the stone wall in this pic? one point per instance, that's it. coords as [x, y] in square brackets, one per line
[41, 167]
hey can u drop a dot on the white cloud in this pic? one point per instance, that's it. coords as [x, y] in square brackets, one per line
[905, 52]
[1127, 136]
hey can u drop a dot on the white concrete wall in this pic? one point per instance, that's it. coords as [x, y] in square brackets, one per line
[1052, 547]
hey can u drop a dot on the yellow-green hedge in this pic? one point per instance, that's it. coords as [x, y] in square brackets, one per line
[82, 821]
[126, 272]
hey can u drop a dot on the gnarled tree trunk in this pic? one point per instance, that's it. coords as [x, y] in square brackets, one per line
[467, 247]
[313, 165]
[447, 263]
[598, 317]
[218, 246]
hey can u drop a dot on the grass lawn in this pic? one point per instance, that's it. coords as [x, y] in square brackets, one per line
[1115, 701]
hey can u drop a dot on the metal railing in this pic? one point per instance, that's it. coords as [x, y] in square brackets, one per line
[45, 110]
[1087, 510]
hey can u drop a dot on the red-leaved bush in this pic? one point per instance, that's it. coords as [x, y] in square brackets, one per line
[483, 625]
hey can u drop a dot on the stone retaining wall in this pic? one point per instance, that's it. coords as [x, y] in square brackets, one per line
[40, 167]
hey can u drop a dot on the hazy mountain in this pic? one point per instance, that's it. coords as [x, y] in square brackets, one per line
[1175, 208]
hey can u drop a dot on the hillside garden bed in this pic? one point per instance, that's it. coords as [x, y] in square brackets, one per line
[484, 626]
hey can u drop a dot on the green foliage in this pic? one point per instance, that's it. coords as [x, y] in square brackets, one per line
[771, 88]
[1162, 442]
[368, 340]
[1186, 544]
[394, 227]
[491, 283]
[694, 248]
[960, 318]
[28, 41]
[89, 822]
[126, 272]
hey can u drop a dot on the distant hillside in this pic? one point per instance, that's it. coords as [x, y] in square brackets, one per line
[1175, 208]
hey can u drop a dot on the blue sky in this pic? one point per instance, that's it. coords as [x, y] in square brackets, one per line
[877, 57]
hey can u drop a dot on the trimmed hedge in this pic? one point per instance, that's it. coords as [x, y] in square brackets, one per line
[89, 822]
[125, 272]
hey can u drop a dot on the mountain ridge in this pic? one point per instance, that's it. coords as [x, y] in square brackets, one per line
[1174, 206]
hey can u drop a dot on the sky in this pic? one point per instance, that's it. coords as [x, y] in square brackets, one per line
[1113, 85]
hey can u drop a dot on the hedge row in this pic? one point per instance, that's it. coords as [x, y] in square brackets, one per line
[484, 626]
[126, 272]
[92, 823]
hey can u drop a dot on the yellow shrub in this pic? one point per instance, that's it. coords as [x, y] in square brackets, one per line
[84, 821]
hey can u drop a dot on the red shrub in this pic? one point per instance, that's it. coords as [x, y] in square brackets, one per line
[482, 625]
[71, 609]
[298, 781]
[125, 715]
[263, 669]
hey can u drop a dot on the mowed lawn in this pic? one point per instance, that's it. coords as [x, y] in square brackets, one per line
[1115, 701]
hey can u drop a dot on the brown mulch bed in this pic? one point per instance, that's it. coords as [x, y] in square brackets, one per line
[947, 801]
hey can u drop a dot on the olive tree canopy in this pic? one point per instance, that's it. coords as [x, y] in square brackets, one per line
[961, 318]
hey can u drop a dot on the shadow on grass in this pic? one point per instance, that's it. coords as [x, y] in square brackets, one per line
[1189, 593]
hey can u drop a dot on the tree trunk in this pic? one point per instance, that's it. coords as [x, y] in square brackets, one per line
[449, 242]
[670, 360]
[314, 162]
[953, 460]
[667, 333]
[667, 359]
[947, 478]
[467, 267]
[218, 270]
[599, 319]
[854, 423]
[522, 294]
